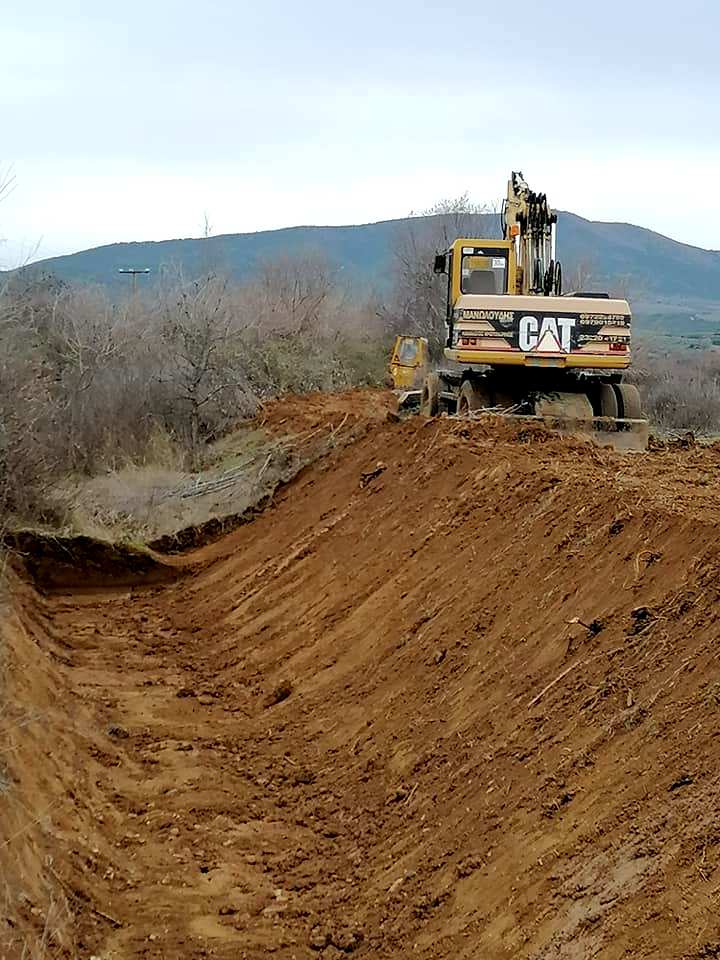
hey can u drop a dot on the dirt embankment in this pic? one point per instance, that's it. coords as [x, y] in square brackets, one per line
[174, 510]
[454, 694]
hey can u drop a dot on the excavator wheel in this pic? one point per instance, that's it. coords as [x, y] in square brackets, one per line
[471, 397]
[430, 403]
[609, 406]
[634, 436]
[629, 401]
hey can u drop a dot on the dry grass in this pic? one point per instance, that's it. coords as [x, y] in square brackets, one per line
[129, 503]
[49, 936]
[139, 504]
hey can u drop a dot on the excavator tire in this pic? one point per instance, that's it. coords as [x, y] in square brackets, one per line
[430, 402]
[609, 405]
[471, 397]
[629, 401]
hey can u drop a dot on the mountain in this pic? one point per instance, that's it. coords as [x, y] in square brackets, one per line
[665, 279]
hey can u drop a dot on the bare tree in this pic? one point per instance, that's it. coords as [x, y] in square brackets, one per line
[26, 418]
[302, 330]
[418, 301]
[294, 293]
[24, 408]
[202, 366]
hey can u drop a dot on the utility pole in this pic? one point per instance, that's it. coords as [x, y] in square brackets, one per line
[134, 271]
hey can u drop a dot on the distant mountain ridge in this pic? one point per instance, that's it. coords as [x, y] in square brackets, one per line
[651, 267]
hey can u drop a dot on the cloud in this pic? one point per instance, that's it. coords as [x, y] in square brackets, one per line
[127, 122]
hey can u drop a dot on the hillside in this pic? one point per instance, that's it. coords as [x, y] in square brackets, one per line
[674, 287]
[651, 263]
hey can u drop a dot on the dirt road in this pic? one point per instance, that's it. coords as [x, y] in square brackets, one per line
[456, 694]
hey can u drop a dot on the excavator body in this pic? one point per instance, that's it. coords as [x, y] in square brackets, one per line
[517, 345]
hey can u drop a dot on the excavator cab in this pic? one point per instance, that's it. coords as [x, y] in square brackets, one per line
[484, 272]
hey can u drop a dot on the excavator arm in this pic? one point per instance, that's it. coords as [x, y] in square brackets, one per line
[530, 224]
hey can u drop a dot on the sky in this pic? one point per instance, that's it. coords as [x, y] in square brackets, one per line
[137, 120]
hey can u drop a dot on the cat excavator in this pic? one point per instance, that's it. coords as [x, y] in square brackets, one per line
[517, 345]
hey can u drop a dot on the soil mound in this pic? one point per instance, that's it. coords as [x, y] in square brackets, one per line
[308, 412]
[455, 693]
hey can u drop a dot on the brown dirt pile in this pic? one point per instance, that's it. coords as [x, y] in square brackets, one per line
[454, 694]
[317, 412]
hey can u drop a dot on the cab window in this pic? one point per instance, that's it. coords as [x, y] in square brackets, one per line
[406, 351]
[483, 271]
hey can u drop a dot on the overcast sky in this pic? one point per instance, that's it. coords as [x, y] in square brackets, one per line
[130, 121]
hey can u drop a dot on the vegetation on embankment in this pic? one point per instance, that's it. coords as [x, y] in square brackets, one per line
[132, 397]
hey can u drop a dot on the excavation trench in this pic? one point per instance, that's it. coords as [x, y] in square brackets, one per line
[454, 693]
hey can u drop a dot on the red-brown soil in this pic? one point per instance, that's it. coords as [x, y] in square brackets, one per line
[309, 412]
[455, 694]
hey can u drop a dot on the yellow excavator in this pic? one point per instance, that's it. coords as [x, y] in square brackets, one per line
[520, 347]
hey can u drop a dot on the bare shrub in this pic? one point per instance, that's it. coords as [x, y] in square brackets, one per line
[26, 424]
[93, 366]
[301, 331]
[201, 363]
[297, 294]
[88, 385]
[680, 388]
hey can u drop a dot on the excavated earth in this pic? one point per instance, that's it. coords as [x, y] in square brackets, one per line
[454, 693]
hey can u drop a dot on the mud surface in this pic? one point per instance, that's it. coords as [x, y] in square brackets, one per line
[454, 694]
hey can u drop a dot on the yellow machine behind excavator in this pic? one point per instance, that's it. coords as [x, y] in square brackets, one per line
[409, 366]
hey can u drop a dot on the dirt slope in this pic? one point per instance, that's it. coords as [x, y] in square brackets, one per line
[455, 695]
